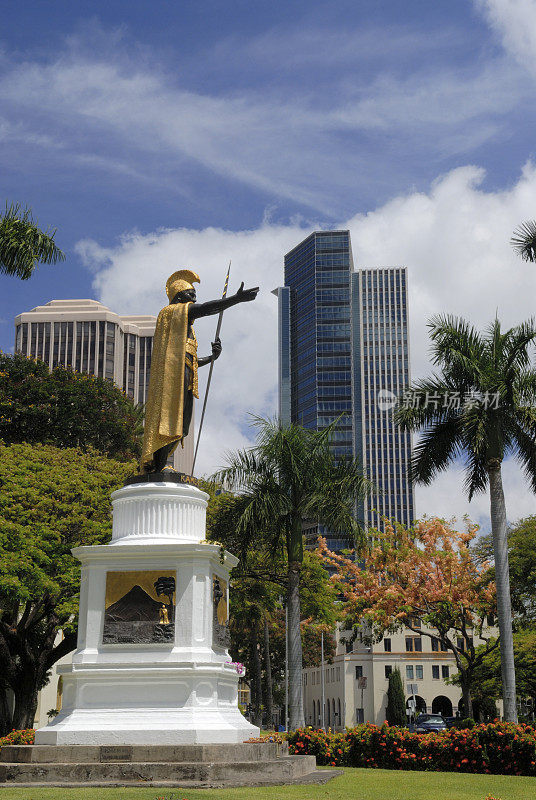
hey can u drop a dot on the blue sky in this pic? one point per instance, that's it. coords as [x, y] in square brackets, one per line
[155, 135]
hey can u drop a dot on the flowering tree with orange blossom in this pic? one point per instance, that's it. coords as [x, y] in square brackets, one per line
[424, 576]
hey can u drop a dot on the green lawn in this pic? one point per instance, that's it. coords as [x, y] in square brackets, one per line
[355, 784]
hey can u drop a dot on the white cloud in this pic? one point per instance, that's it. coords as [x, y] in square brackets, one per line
[454, 240]
[515, 22]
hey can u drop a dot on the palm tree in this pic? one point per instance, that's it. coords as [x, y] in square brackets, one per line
[289, 476]
[524, 240]
[23, 244]
[482, 407]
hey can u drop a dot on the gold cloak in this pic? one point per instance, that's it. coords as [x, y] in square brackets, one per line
[165, 401]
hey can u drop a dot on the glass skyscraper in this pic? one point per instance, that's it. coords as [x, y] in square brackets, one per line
[343, 354]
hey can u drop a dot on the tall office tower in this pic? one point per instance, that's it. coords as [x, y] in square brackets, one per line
[89, 338]
[342, 350]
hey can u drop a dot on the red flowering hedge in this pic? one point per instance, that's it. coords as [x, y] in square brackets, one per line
[501, 748]
[18, 737]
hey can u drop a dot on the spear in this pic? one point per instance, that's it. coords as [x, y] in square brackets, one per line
[218, 328]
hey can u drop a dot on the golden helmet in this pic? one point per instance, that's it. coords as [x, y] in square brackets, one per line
[180, 281]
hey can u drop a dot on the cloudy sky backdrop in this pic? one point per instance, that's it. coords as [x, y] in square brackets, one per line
[159, 135]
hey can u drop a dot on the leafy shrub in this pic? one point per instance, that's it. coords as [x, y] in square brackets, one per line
[18, 737]
[500, 748]
[329, 747]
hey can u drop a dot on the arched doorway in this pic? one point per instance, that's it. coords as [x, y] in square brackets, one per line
[420, 703]
[442, 705]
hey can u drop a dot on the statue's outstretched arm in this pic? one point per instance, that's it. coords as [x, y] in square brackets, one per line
[197, 310]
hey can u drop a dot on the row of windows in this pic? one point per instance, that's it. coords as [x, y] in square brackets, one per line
[332, 295]
[334, 361]
[343, 377]
[331, 675]
[413, 671]
[335, 391]
[337, 278]
[333, 312]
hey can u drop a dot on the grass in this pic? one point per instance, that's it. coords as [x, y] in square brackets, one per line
[355, 784]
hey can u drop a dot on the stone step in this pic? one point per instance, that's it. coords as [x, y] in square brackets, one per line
[280, 770]
[78, 754]
[316, 777]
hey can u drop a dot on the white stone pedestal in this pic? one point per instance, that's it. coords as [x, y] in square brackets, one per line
[180, 691]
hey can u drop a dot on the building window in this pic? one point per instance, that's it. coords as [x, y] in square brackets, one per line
[444, 671]
[435, 672]
[388, 670]
[387, 645]
[358, 671]
[419, 672]
[435, 645]
[409, 672]
[413, 644]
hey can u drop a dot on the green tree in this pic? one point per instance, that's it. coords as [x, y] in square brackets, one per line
[52, 500]
[23, 244]
[289, 476]
[66, 409]
[487, 676]
[396, 701]
[522, 556]
[492, 378]
[522, 562]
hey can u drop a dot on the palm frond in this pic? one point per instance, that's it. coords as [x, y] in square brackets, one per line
[496, 380]
[524, 240]
[436, 449]
[456, 346]
[524, 437]
[23, 244]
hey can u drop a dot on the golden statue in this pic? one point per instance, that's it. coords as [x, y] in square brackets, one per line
[174, 364]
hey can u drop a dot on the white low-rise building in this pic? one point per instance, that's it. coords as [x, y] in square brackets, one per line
[356, 682]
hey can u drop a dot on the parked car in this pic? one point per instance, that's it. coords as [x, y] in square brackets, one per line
[430, 723]
[451, 721]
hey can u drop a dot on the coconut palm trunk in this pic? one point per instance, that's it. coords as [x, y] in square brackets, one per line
[268, 672]
[502, 580]
[296, 715]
